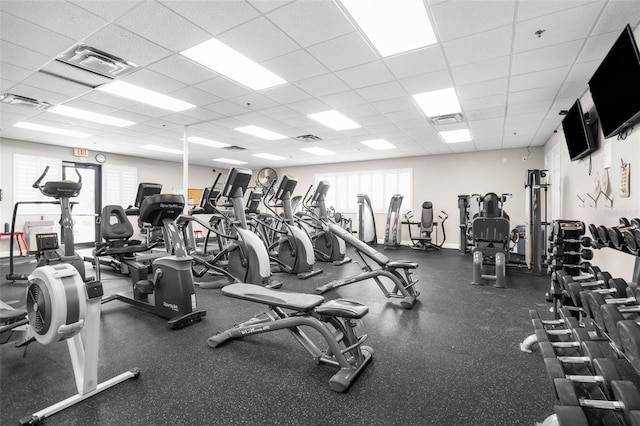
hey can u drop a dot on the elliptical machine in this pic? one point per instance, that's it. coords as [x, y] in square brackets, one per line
[245, 255]
[327, 245]
[291, 248]
[164, 288]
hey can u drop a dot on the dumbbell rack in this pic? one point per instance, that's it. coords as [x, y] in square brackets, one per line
[587, 385]
[568, 252]
[604, 237]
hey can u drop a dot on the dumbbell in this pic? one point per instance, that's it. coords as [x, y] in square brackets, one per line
[599, 285]
[557, 264]
[600, 372]
[603, 231]
[559, 251]
[632, 240]
[629, 332]
[571, 333]
[616, 233]
[559, 240]
[626, 400]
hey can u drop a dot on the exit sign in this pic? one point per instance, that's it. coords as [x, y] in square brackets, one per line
[81, 152]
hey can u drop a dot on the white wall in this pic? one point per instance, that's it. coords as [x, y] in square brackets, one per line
[441, 178]
[578, 181]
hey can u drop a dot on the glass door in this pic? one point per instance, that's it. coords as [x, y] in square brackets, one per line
[88, 205]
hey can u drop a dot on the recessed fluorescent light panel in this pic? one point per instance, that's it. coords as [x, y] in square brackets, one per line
[334, 120]
[270, 156]
[379, 144]
[47, 129]
[140, 94]
[221, 58]
[455, 136]
[259, 132]
[206, 142]
[89, 116]
[229, 161]
[393, 26]
[162, 149]
[317, 151]
[438, 102]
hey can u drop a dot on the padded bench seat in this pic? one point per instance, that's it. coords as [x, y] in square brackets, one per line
[296, 301]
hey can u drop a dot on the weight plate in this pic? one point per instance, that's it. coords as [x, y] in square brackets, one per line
[611, 316]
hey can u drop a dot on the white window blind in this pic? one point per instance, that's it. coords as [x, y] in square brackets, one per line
[119, 185]
[28, 168]
[379, 185]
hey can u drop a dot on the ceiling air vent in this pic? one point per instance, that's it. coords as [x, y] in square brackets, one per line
[97, 61]
[308, 138]
[11, 99]
[447, 119]
[234, 148]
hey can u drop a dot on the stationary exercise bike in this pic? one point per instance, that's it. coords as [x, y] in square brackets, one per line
[290, 248]
[165, 287]
[48, 251]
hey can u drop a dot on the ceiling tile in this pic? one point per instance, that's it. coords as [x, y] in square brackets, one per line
[479, 47]
[455, 19]
[56, 84]
[392, 105]
[265, 6]
[322, 85]
[109, 10]
[127, 45]
[420, 61]
[155, 22]
[545, 58]
[343, 52]
[194, 96]
[295, 66]
[55, 16]
[342, 99]
[286, 93]
[365, 75]
[312, 22]
[543, 78]
[153, 81]
[534, 9]
[561, 27]
[427, 82]
[482, 89]
[21, 57]
[616, 15]
[259, 40]
[214, 17]
[597, 47]
[180, 68]
[23, 33]
[223, 87]
[381, 92]
[254, 101]
[481, 71]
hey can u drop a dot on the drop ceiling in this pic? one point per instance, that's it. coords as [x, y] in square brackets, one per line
[514, 65]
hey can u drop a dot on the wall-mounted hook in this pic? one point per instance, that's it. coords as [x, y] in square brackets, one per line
[581, 203]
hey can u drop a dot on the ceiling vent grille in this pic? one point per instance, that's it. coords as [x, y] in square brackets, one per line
[11, 99]
[447, 119]
[234, 148]
[308, 138]
[97, 61]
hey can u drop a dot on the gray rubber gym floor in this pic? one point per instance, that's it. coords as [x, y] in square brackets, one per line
[453, 359]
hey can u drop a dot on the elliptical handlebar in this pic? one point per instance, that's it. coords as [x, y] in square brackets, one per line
[36, 184]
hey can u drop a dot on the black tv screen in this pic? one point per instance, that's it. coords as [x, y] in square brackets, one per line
[579, 132]
[615, 86]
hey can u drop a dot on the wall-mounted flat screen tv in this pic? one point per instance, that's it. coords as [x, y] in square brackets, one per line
[615, 86]
[580, 132]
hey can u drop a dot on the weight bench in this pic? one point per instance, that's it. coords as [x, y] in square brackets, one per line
[335, 320]
[403, 284]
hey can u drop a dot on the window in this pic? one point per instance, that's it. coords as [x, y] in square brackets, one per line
[379, 185]
[28, 168]
[120, 185]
